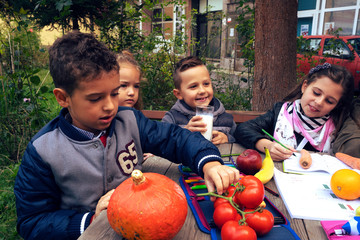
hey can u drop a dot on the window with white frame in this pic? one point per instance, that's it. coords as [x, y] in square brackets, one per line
[337, 20]
[339, 3]
[163, 20]
[330, 16]
[167, 20]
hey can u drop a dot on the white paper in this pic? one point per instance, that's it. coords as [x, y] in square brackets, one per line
[304, 30]
[309, 196]
[320, 163]
[232, 31]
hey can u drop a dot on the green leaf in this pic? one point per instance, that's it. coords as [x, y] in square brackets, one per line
[35, 80]
[44, 89]
[35, 71]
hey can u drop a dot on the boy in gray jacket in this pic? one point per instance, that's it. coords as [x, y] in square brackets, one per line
[193, 87]
[71, 166]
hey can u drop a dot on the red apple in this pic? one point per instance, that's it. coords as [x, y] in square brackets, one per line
[249, 162]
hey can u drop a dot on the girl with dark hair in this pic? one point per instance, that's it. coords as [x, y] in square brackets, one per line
[309, 117]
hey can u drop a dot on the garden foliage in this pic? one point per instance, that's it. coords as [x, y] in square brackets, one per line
[24, 97]
[24, 107]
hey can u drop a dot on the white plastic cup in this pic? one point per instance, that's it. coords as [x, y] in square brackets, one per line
[207, 113]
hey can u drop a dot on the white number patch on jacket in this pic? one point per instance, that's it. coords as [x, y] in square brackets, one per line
[127, 159]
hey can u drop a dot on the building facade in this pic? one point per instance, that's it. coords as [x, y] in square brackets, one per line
[216, 21]
[320, 17]
[214, 35]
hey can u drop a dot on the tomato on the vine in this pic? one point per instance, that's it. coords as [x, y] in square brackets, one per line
[230, 191]
[261, 221]
[233, 231]
[218, 201]
[252, 194]
[223, 213]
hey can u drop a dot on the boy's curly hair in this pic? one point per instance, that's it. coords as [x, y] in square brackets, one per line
[77, 57]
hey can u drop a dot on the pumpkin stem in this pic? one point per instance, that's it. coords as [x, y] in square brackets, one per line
[138, 177]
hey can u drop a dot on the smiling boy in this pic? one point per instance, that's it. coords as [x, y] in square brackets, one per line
[193, 87]
[72, 165]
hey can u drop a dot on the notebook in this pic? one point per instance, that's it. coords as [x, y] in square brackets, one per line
[321, 163]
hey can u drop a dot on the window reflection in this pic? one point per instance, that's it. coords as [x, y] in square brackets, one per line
[355, 43]
[339, 3]
[339, 19]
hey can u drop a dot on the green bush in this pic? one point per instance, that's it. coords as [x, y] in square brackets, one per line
[158, 85]
[24, 93]
[235, 92]
[26, 104]
[7, 203]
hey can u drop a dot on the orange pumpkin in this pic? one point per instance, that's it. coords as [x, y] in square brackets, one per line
[147, 206]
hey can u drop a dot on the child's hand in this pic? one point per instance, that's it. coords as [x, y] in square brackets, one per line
[196, 124]
[219, 137]
[219, 177]
[277, 152]
[103, 203]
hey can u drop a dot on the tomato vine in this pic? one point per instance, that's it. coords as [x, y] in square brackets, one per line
[246, 197]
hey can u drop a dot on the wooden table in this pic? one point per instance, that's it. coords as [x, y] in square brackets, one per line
[305, 229]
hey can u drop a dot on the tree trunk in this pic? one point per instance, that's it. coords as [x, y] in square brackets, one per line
[275, 52]
[1, 64]
[75, 21]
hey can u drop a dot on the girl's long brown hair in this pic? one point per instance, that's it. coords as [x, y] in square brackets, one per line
[339, 75]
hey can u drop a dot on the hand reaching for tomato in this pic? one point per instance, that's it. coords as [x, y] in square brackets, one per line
[219, 177]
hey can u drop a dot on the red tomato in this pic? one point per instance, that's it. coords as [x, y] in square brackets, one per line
[262, 222]
[223, 213]
[238, 217]
[233, 231]
[219, 201]
[253, 194]
[229, 191]
[240, 206]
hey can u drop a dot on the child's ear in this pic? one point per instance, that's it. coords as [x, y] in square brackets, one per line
[177, 94]
[304, 86]
[61, 97]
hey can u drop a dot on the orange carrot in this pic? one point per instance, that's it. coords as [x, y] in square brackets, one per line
[305, 159]
[348, 160]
